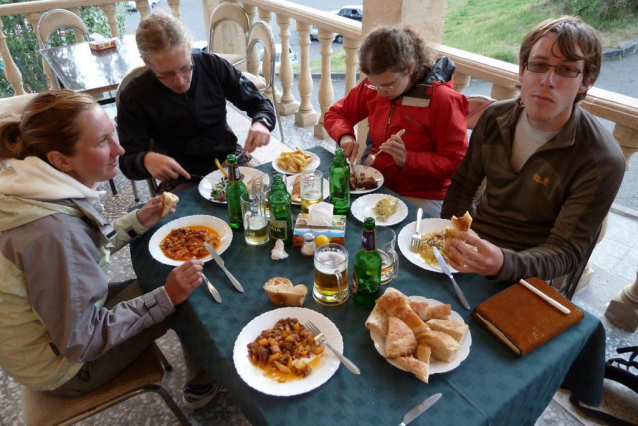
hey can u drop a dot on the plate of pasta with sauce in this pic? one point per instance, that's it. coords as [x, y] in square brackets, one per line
[183, 238]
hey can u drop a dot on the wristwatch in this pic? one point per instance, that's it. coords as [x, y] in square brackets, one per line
[266, 122]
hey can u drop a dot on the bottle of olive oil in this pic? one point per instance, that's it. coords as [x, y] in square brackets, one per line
[234, 191]
[366, 282]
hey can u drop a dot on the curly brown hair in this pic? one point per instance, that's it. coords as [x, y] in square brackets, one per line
[48, 123]
[391, 48]
[571, 33]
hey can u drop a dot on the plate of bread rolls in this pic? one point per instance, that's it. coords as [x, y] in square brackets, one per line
[417, 334]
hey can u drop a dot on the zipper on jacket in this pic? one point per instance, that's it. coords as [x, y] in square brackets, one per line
[387, 125]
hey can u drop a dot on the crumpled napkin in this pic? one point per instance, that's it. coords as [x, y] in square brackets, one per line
[320, 214]
[278, 252]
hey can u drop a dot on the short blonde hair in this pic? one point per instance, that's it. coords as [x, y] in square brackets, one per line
[159, 33]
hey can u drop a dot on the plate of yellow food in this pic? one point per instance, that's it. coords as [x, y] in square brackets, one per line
[385, 209]
[294, 162]
[432, 233]
[418, 334]
[183, 239]
[307, 365]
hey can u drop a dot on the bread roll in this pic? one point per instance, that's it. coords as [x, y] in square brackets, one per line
[443, 346]
[378, 321]
[457, 226]
[169, 200]
[456, 329]
[282, 293]
[400, 340]
[414, 366]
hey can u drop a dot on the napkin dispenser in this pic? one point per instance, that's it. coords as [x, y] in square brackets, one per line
[335, 230]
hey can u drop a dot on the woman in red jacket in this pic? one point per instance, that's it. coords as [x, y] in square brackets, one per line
[405, 90]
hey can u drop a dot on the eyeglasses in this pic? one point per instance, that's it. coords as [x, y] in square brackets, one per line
[380, 87]
[562, 70]
[183, 71]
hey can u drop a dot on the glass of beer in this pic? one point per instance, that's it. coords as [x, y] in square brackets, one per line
[255, 213]
[331, 274]
[386, 246]
[311, 188]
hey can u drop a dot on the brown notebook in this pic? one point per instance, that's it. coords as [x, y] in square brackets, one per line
[523, 320]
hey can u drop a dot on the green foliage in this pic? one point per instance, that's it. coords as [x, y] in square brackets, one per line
[597, 10]
[23, 44]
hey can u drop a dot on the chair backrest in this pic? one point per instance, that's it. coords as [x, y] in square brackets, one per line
[229, 12]
[126, 80]
[55, 19]
[260, 33]
[478, 103]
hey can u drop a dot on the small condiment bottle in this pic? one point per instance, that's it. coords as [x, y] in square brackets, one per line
[308, 247]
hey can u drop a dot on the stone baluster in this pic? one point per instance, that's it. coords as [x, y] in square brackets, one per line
[109, 10]
[253, 58]
[266, 17]
[174, 5]
[287, 103]
[326, 93]
[351, 47]
[142, 8]
[461, 81]
[11, 71]
[502, 92]
[628, 140]
[306, 115]
[623, 309]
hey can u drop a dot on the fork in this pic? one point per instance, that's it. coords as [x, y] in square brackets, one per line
[319, 337]
[370, 159]
[415, 241]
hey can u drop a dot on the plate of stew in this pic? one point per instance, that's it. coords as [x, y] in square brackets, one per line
[183, 239]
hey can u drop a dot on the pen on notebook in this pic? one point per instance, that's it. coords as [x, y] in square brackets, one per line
[546, 297]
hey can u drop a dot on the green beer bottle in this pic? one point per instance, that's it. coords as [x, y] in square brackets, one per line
[234, 191]
[280, 211]
[367, 267]
[340, 183]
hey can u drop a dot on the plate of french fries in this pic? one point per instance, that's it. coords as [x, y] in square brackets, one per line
[294, 162]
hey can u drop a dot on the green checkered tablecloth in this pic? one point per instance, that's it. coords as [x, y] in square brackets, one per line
[492, 386]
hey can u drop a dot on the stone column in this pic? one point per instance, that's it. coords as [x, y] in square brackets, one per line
[305, 115]
[623, 309]
[287, 103]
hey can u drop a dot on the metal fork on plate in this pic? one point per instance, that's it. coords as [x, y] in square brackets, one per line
[319, 337]
[415, 241]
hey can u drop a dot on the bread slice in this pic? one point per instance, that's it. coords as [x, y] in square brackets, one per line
[457, 226]
[423, 353]
[282, 293]
[443, 346]
[169, 200]
[438, 312]
[420, 308]
[396, 305]
[295, 194]
[456, 329]
[400, 340]
[414, 366]
[378, 321]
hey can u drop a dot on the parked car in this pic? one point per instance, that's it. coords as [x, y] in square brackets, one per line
[350, 11]
[131, 6]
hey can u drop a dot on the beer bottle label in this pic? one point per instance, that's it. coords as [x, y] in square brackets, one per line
[233, 175]
[368, 241]
[278, 228]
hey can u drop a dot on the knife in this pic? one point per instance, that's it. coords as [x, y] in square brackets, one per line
[212, 289]
[220, 262]
[446, 270]
[419, 409]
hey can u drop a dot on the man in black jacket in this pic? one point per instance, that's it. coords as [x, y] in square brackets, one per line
[180, 103]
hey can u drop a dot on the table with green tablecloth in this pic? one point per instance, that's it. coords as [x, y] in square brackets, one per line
[491, 386]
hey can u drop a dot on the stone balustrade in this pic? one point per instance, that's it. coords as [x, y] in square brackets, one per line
[621, 110]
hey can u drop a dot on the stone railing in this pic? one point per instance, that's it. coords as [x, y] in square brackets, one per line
[34, 9]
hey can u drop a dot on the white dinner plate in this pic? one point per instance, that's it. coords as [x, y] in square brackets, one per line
[290, 180]
[207, 184]
[255, 377]
[369, 172]
[222, 228]
[363, 206]
[436, 366]
[405, 236]
[314, 163]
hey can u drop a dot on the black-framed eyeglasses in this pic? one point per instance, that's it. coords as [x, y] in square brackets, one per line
[183, 71]
[543, 67]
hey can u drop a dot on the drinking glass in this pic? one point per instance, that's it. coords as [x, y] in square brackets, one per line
[386, 246]
[254, 211]
[331, 274]
[311, 188]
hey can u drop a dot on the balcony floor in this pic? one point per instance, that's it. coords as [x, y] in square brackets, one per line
[614, 261]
